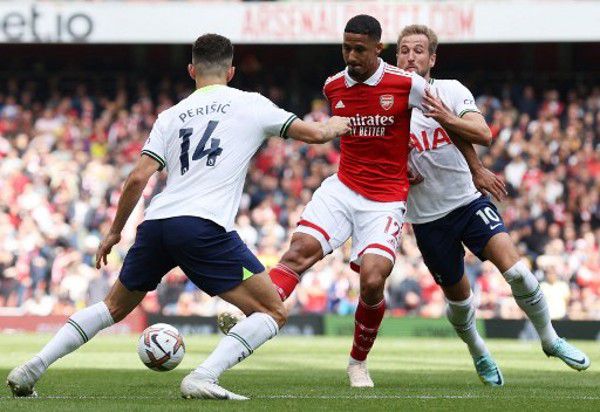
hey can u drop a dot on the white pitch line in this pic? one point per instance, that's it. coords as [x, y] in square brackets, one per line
[359, 397]
[324, 397]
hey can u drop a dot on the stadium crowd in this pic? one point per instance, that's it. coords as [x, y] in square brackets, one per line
[63, 160]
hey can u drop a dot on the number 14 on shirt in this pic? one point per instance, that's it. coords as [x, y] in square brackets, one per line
[200, 151]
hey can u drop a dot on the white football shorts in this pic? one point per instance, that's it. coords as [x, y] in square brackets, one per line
[336, 213]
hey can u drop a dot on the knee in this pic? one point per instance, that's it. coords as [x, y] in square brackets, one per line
[371, 287]
[279, 313]
[516, 273]
[502, 252]
[373, 273]
[302, 255]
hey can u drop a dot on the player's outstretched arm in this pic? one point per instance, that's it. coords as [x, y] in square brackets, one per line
[132, 190]
[311, 132]
[470, 127]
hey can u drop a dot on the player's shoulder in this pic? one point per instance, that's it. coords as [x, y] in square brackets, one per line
[181, 105]
[335, 81]
[256, 100]
[164, 118]
[447, 84]
[396, 72]
[243, 96]
[396, 77]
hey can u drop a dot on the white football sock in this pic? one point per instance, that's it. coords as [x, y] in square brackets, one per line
[528, 295]
[461, 315]
[238, 344]
[80, 328]
[352, 361]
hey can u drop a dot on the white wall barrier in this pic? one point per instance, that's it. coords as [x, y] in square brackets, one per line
[299, 22]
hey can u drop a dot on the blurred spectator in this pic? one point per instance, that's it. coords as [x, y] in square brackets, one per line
[64, 159]
[557, 293]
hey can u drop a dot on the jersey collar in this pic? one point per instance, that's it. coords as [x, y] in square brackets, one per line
[371, 81]
[209, 88]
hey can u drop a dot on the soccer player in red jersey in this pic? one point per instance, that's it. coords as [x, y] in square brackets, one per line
[366, 199]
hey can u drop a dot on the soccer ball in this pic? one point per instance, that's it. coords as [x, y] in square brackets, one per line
[161, 347]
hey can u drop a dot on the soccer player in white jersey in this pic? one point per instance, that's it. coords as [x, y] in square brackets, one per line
[447, 209]
[205, 142]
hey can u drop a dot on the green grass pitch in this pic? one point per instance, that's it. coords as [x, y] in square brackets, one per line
[308, 374]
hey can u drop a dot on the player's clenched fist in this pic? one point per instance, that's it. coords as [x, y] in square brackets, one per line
[339, 126]
[414, 177]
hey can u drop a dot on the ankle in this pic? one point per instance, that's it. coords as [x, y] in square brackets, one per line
[204, 373]
[36, 366]
[352, 361]
[548, 343]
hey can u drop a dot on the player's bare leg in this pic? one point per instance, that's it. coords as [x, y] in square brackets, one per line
[304, 251]
[79, 329]
[374, 270]
[265, 313]
[461, 312]
[501, 251]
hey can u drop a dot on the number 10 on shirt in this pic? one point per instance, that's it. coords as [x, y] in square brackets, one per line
[212, 152]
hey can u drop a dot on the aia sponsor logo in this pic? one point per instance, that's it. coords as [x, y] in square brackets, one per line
[429, 141]
[386, 101]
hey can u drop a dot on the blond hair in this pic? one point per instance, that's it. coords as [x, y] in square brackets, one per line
[420, 29]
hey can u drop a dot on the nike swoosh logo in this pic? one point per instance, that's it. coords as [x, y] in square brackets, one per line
[581, 362]
[499, 381]
[495, 226]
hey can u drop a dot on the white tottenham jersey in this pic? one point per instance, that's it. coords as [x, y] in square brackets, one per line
[447, 182]
[206, 142]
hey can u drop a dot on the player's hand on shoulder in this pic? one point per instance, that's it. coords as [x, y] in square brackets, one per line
[339, 126]
[105, 247]
[436, 108]
[488, 182]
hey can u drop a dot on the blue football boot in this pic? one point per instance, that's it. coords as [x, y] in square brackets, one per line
[488, 371]
[569, 354]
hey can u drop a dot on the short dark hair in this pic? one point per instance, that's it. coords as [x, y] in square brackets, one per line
[364, 24]
[212, 53]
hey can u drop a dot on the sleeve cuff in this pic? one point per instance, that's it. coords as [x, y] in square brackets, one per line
[461, 114]
[286, 125]
[155, 157]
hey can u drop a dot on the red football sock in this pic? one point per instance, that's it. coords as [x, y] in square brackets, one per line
[284, 279]
[366, 325]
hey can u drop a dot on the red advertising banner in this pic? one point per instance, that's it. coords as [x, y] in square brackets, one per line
[293, 22]
[324, 22]
[134, 323]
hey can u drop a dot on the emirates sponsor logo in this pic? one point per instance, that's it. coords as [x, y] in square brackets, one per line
[376, 120]
[367, 126]
[386, 101]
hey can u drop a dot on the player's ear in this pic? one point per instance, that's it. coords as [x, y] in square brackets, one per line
[192, 71]
[230, 73]
[379, 48]
[432, 60]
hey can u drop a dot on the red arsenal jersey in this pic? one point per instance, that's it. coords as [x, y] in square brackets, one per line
[374, 158]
